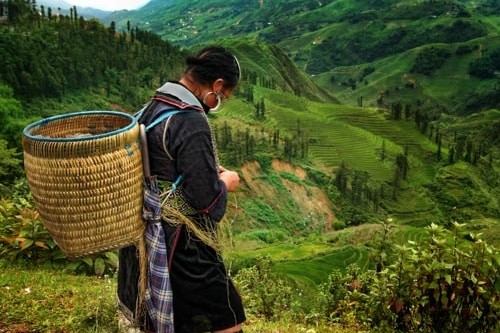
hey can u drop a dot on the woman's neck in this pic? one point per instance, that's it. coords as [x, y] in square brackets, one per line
[192, 86]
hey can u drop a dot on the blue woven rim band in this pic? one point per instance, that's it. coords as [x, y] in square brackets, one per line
[27, 130]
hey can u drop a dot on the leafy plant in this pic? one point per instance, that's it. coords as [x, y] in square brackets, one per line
[22, 234]
[23, 237]
[265, 293]
[104, 264]
[9, 163]
[444, 285]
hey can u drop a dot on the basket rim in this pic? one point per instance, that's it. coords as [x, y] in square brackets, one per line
[42, 122]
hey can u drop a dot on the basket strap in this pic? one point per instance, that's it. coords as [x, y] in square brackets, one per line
[162, 117]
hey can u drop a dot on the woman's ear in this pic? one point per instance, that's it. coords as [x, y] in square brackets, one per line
[218, 85]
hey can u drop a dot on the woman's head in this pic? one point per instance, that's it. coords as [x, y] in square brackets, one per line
[214, 71]
[212, 63]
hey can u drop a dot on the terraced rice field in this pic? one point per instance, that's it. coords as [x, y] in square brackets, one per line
[355, 136]
[316, 270]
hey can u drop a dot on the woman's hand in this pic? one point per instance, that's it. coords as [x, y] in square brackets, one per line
[230, 178]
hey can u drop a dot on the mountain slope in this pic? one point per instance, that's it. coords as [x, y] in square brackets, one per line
[321, 35]
[449, 86]
[269, 63]
[370, 50]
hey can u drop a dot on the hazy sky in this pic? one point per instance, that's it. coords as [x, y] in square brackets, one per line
[109, 4]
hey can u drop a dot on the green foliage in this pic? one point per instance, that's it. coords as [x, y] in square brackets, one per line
[23, 237]
[429, 60]
[427, 9]
[32, 59]
[486, 66]
[363, 44]
[482, 98]
[22, 234]
[268, 236]
[436, 286]
[10, 164]
[262, 212]
[105, 264]
[11, 114]
[264, 292]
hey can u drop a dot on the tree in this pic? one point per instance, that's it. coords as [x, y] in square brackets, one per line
[396, 109]
[451, 155]
[383, 151]
[360, 101]
[402, 164]
[396, 182]
[407, 111]
[439, 148]
[260, 109]
[358, 186]
[342, 178]
[468, 150]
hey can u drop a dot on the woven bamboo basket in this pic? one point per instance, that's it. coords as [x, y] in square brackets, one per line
[85, 173]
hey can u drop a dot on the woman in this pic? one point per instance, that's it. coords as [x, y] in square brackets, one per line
[204, 298]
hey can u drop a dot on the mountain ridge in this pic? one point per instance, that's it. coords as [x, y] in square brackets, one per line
[324, 38]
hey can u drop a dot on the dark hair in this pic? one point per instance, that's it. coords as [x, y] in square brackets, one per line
[212, 63]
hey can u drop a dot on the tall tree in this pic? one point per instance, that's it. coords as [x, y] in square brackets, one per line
[342, 178]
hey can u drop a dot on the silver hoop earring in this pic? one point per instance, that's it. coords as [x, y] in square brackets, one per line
[219, 101]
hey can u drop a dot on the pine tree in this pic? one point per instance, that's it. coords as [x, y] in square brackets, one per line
[451, 155]
[262, 108]
[396, 182]
[396, 109]
[407, 111]
[342, 178]
[276, 138]
[439, 148]
[383, 152]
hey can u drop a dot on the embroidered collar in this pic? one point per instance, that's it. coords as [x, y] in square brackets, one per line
[180, 92]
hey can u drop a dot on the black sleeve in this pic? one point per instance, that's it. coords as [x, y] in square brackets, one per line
[190, 143]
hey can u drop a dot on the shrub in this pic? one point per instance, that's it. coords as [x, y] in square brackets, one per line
[10, 163]
[486, 66]
[265, 293]
[429, 60]
[438, 286]
[23, 237]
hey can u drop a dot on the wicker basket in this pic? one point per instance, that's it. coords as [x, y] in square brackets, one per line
[85, 173]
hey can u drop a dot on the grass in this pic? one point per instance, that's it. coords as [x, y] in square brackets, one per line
[39, 299]
[310, 260]
[258, 325]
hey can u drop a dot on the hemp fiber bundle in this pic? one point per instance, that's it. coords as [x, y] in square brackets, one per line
[85, 173]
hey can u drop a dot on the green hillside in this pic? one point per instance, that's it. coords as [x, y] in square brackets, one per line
[365, 139]
[321, 35]
[374, 51]
[450, 86]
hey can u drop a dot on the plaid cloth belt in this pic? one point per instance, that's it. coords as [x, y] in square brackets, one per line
[158, 297]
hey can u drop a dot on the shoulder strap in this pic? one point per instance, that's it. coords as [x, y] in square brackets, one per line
[162, 117]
